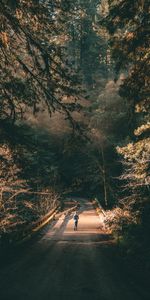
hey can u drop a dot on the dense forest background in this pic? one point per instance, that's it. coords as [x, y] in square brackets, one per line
[74, 113]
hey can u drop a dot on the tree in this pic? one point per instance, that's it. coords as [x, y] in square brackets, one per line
[128, 26]
[33, 67]
[86, 48]
[108, 126]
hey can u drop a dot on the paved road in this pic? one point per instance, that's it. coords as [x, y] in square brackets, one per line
[66, 265]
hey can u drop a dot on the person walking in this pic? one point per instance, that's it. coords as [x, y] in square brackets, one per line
[75, 218]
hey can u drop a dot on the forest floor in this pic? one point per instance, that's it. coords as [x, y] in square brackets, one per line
[63, 264]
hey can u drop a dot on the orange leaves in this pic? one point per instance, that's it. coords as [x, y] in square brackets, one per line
[142, 129]
[19, 14]
[129, 36]
[4, 39]
[133, 150]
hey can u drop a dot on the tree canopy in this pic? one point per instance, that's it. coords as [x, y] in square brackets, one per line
[32, 61]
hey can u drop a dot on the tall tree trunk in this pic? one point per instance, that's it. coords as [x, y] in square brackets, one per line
[104, 177]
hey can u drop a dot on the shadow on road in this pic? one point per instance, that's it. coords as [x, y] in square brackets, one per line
[60, 231]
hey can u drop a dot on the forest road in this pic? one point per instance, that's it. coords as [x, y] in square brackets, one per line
[63, 264]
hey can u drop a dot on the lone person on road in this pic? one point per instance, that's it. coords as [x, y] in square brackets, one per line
[76, 218]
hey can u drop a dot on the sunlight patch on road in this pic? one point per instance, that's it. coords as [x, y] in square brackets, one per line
[89, 227]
